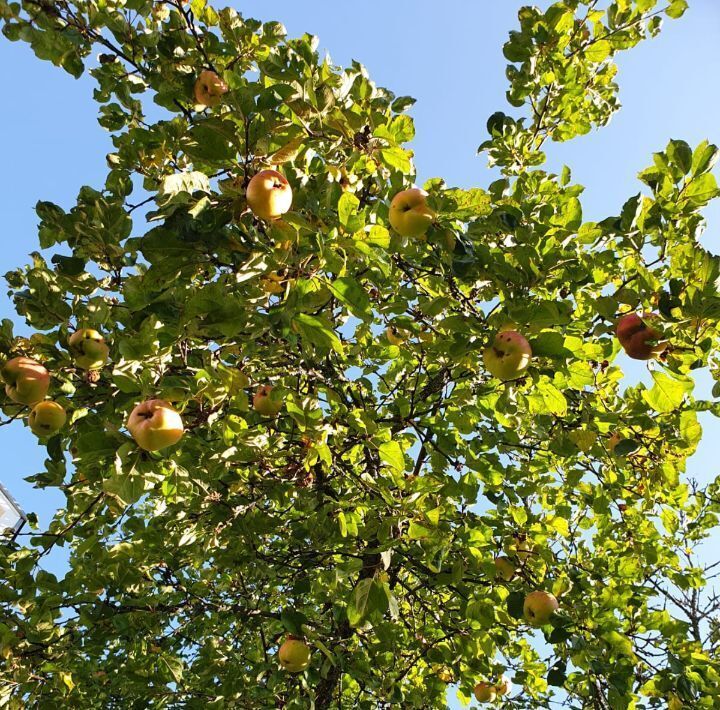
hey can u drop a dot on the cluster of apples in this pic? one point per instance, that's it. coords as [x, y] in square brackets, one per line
[155, 424]
[27, 381]
[489, 692]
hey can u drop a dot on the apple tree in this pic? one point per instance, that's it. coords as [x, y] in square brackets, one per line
[400, 448]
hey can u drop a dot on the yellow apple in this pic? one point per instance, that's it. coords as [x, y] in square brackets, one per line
[269, 194]
[209, 88]
[155, 425]
[504, 568]
[509, 355]
[395, 336]
[485, 693]
[26, 381]
[264, 403]
[539, 608]
[503, 686]
[46, 418]
[410, 215]
[89, 349]
[294, 655]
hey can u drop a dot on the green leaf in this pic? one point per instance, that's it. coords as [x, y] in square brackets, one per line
[598, 51]
[547, 399]
[368, 598]
[319, 332]
[348, 206]
[702, 189]
[676, 8]
[680, 154]
[184, 182]
[690, 429]
[353, 295]
[668, 392]
[515, 604]
[391, 454]
[557, 675]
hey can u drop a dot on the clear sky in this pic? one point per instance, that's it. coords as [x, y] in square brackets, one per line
[448, 56]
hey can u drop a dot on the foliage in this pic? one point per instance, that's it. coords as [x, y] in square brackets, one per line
[367, 516]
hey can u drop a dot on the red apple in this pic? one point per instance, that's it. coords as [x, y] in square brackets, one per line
[26, 381]
[637, 336]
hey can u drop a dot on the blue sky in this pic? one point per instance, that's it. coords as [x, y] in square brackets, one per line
[449, 57]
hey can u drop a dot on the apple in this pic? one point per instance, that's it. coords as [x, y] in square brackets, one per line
[638, 338]
[294, 655]
[521, 548]
[155, 425]
[503, 686]
[46, 418]
[395, 336]
[209, 88]
[509, 355]
[89, 349]
[504, 568]
[26, 380]
[410, 215]
[264, 403]
[485, 693]
[269, 194]
[539, 607]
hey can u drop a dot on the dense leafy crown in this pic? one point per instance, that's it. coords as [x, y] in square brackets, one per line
[365, 518]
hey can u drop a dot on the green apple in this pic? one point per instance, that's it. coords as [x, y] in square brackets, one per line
[410, 215]
[294, 655]
[89, 349]
[485, 693]
[504, 568]
[539, 608]
[47, 418]
[209, 88]
[264, 403]
[26, 380]
[503, 686]
[269, 195]
[155, 425]
[509, 355]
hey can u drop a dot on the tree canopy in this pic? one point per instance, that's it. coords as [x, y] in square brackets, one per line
[404, 504]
